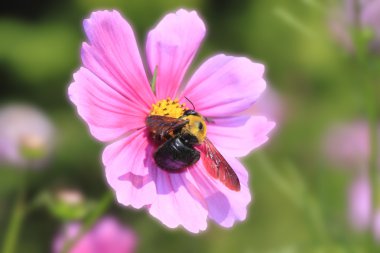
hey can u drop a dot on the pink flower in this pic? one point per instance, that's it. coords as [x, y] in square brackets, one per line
[113, 95]
[363, 215]
[348, 145]
[360, 203]
[356, 14]
[271, 104]
[108, 235]
[26, 136]
[376, 225]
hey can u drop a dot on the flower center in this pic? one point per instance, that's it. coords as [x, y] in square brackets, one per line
[169, 108]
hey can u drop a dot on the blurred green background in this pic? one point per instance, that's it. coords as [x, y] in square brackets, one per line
[299, 199]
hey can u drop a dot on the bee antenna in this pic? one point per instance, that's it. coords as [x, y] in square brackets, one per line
[190, 102]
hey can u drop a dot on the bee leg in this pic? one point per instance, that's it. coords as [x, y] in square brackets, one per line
[174, 155]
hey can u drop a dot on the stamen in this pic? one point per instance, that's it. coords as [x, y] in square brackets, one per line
[168, 107]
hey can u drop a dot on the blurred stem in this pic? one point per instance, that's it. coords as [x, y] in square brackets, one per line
[18, 213]
[315, 4]
[373, 130]
[368, 73]
[310, 203]
[277, 179]
[297, 193]
[90, 221]
[374, 173]
[14, 226]
[293, 22]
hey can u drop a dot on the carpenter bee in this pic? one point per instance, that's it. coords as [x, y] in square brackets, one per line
[177, 138]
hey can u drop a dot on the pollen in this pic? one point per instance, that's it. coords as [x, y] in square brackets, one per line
[168, 107]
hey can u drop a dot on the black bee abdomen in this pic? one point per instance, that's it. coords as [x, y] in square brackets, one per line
[174, 155]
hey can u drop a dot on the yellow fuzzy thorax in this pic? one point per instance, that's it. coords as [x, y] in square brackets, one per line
[168, 107]
[193, 127]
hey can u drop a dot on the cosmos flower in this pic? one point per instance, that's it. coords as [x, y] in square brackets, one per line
[348, 146]
[360, 203]
[107, 235]
[356, 14]
[376, 226]
[363, 215]
[271, 104]
[113, 95]
[26, 136]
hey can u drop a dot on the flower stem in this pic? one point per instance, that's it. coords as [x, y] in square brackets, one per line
[14, 225]
[374, 147]
[90, 221]
[291, 20]
[297, 192]
[18, 214]
[277, 179]
[374, 137]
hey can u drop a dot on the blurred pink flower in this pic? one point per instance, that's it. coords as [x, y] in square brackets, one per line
[376, 225]
[347, 145]
[363, 215]
[360, 203]
[107, 236]
[113, 95]
[270, 104]
[26, 136]
[356, 14]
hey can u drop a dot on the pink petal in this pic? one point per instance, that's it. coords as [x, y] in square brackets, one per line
[176, 202]
[171, 46]
[271, 105]
[110, 236]
[370, 19]
[237, 136]
[360, 203]
[107, 235]
[69, 232]
[138, 189]
[128, 155]
[370, 15]
[112, 55]
[347, 145]
[376, 225]
[225, 85]
[224, 206]
[108, 113]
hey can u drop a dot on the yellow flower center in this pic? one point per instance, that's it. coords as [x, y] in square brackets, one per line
[169, 108]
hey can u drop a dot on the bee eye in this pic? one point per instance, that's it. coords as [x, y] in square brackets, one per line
[200, 126]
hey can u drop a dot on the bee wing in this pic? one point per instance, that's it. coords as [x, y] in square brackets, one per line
[218, 167]
[163, 126]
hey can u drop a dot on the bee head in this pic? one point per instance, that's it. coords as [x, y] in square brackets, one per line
[190, 112]
[196, 126]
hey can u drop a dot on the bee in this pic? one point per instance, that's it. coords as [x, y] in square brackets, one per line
[177, 138]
